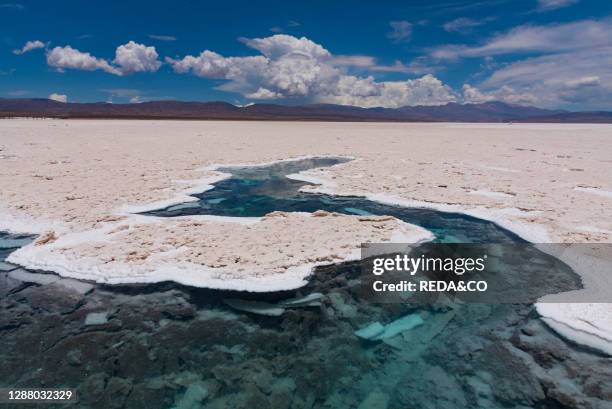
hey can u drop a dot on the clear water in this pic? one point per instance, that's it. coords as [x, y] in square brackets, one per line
[11, 242]
[256, 191]
[169, 346]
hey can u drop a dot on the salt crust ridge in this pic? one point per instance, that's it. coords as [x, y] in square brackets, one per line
[45, 258]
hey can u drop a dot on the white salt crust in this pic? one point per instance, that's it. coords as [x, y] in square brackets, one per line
[551, 163]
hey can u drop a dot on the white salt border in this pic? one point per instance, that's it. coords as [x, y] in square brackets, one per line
[45, 258]
[22, 224]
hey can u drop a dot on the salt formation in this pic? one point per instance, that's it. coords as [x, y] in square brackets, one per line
[379, 332]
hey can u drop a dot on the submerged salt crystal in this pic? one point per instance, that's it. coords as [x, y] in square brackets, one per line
[376, 399]
[36, 278]
[255, 307]
[400, 325]
[370, 331]
[80, 287]
[309, 300]
[193, 397]
[5, 267]
[378, 332]
[360, 212]
[96, 318]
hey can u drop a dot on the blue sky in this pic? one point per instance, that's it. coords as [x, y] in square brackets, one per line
[550, 53]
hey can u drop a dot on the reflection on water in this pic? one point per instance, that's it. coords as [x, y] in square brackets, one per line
[169, 346]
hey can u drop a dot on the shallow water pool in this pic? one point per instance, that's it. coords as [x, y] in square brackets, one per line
[170, 346]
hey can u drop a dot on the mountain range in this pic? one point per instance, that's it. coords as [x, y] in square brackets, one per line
[451, 112]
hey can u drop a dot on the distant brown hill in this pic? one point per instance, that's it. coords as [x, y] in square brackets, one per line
[596, 117]
[452, 112]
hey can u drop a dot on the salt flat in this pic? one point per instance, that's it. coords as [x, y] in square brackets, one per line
[79, 179]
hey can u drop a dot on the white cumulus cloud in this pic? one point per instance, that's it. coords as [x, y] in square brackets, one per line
[209, 64]
[129, 58]
[365, 92]
[291, 67]
[68, 57]
[263, 93]
[134, 57]
[29, 46]
[280, 45]
[58, 97]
